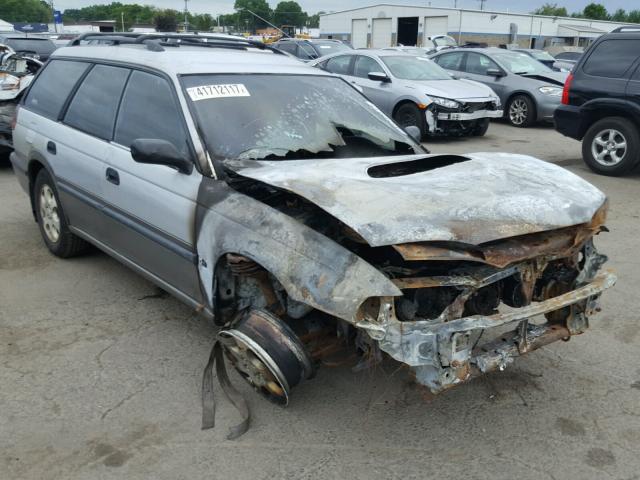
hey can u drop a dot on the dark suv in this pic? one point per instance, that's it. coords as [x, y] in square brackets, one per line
[601, 103]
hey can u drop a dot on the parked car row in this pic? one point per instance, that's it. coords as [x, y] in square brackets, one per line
[277, 201]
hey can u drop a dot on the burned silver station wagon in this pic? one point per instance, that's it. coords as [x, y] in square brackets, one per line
[277, 200]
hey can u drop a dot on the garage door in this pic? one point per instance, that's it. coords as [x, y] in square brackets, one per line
[436, 26]
[381, 33]
[359, 33]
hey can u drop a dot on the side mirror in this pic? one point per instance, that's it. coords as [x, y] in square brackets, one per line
[494, 72]
[414, 132]
[379, 77]
[160, 152]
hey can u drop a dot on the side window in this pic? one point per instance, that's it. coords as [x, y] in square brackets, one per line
[450, 61]
[306, 52]
[479, 64]
[339, 64]
[289, 47]
[636, 75]
[50, 91]
[148, 110]
[93, 108]
[612, 58]
[365, 65]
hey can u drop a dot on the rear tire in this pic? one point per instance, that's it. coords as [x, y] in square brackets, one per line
[52, 221]
[612, 146]
[521, 111]
[408, 114]
[480, 128]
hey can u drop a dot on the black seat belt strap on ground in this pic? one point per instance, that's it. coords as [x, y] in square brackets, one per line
[208, 399]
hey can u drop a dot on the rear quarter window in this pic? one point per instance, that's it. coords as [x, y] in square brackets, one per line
[612, 58]
[49, 92]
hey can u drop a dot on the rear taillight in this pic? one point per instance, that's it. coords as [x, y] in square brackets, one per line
[14, 120]
[565, 90]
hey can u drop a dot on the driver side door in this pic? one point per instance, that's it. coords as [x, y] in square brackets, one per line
[380, 93]
[154, 205]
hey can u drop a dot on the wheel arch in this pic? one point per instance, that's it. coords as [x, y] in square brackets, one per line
[597, 110]
[36, 163]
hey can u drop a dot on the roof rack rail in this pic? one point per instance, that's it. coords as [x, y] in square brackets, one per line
[626, 28]
[156, 41]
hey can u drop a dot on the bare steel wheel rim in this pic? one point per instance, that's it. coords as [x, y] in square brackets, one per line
[609, 147]
[518, 111]
[49, 214]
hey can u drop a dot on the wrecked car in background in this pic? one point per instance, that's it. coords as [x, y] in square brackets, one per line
[276, 200]
[16, 74]
[415, 91]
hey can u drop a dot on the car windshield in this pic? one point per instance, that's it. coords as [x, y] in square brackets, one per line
[410, 67]
[36, 45]
[286, 117]
[521, 63]
[445, 42]
[542, 55]
[569, 55]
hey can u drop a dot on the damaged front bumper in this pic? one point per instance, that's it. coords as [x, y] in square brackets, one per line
[445, 354]
[465, 117]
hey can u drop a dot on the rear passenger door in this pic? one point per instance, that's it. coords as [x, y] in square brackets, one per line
[154, 205]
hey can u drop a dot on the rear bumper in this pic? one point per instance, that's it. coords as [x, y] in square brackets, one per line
[567, 119]
[20, 171]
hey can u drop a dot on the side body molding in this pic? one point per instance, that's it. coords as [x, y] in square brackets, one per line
[311, 267]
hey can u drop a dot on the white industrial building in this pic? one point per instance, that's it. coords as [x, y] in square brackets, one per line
[386, 25]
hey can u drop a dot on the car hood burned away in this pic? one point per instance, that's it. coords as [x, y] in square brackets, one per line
[471, 199]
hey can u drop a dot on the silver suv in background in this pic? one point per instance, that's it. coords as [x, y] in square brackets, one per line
[529, 91]
[276, 200]
[415, 91]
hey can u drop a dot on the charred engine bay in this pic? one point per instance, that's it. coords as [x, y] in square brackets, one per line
[430, 287]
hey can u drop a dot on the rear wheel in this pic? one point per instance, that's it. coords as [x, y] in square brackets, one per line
[521, 112]
[612, 146]
[408, 114]
[51, 219]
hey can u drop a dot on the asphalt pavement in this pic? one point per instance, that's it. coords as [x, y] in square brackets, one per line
[100, 376]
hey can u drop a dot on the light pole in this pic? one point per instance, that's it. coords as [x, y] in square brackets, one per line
[186, 14]
[53, 13]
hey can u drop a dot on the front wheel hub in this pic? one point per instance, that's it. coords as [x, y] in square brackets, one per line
[267, 354]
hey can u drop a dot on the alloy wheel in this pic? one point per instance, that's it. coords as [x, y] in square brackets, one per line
[49, 213]
[518, 111]
[609, 147]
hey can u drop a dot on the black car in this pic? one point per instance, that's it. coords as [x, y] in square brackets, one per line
[601, 103]
[307, 50]
[35, 47]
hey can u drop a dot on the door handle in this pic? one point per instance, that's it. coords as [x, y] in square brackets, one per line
[112, 176]
[51, 147]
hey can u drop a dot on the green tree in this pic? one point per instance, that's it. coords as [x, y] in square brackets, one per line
[166, 20]
[289, 13]
[25, 11]
[620, 15]
[230, 21]
[249, 20]
[551, 9]
[314, 20]
[201, 21]
[633, 16]
[595, 11]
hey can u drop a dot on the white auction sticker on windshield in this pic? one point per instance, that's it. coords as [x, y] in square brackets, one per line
[204, 92]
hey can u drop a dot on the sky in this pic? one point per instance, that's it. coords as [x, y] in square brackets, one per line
[215, 7]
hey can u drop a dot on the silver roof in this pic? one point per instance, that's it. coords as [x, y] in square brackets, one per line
[192, 59]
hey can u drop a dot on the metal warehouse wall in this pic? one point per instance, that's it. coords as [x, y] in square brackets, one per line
[491, 27]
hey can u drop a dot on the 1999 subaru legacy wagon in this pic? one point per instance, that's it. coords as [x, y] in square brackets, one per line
[277, 200]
